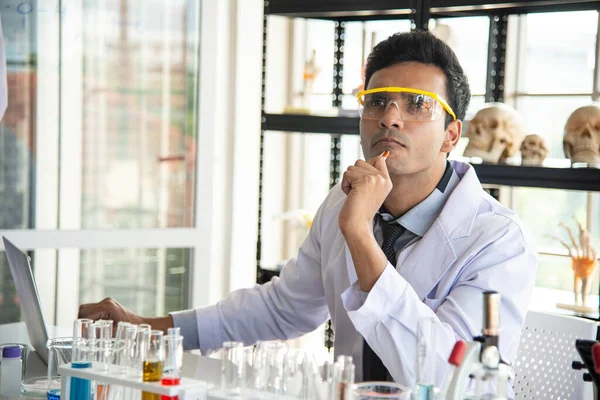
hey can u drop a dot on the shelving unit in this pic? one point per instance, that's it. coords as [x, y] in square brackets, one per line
[419, 12]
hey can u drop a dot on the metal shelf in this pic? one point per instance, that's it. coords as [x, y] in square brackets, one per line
[353, 10]
[446, 8]
[265, 275]
[587, 179]
[310, 124]
[347, 10]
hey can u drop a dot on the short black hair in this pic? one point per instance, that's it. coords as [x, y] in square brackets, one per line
[424, 47]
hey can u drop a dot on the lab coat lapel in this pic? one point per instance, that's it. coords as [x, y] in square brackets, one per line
[424, 264]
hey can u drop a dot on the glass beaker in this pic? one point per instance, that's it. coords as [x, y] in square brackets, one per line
[380, 391]
[59, 353]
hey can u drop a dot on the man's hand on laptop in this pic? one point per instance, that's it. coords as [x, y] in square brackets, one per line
[112, 310]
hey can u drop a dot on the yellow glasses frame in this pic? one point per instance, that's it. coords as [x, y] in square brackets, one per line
[394, 89]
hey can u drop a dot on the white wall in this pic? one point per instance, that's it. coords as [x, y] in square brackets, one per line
[228, 148]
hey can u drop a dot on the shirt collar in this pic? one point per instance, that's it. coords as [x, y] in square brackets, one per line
[420, 218]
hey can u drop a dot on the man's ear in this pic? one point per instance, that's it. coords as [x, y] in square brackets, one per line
[452, 135]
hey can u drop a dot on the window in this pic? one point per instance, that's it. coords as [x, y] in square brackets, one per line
[99, 144]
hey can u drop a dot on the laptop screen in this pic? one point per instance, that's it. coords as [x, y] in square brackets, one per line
[20, 268]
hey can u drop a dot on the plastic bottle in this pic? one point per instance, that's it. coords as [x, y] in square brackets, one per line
[10, 371]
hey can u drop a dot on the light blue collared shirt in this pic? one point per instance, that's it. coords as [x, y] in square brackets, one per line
[419, 219]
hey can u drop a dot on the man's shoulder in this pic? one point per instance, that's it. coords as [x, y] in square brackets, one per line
[500, 221]
[478, 215]
[326, 219]
[334, 200]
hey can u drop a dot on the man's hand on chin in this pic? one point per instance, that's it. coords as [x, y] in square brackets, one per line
[367, 185]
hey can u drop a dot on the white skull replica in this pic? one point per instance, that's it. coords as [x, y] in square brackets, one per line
[495, 133]
[582, 135]
[533, 150]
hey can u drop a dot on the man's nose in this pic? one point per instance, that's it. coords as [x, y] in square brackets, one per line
[391, 117]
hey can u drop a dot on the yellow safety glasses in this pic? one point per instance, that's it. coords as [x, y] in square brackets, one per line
[411, 104]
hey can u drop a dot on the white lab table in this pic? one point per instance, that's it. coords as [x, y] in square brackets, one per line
[194, 366]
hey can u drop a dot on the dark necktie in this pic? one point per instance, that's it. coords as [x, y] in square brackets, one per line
[373, 368]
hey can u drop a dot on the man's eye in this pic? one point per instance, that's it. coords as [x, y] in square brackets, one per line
[377, 103]
[418, 101]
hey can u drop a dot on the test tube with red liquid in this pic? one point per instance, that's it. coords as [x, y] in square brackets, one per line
[173, 361]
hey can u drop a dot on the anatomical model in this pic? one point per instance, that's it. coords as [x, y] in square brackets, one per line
[581, 141]
[495, 133]
[311, 71]
[583, 261]
[533, 150]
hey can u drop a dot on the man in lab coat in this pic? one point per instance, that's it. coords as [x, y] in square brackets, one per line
[405, 235]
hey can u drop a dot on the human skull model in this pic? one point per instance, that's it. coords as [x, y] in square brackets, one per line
[495, 133]
[582, 135]
[533, 150]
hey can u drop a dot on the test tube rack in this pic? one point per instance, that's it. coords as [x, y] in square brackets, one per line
[188, 389]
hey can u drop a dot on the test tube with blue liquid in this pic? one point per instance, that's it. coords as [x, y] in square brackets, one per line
[426, 354]
[81, 388]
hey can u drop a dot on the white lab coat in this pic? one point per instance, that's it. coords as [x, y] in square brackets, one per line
[476, 244]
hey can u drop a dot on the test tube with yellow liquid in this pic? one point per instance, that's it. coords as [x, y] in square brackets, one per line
[152, 365]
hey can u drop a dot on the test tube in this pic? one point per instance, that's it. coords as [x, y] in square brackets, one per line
[108, 326]
[343, 378]
[153, 362]
[121, 329]
[142, 341]
[176, 331]
[81, 328]
[276, 356]
[249, 370]
[260, 363]
[126, 336]
[292, 372]
[232, 367]
[311, 378]
[101, 331]
[173, 362]
[81, 388]
[426, 353]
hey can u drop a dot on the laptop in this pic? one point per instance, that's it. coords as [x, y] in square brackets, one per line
[29, 300]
